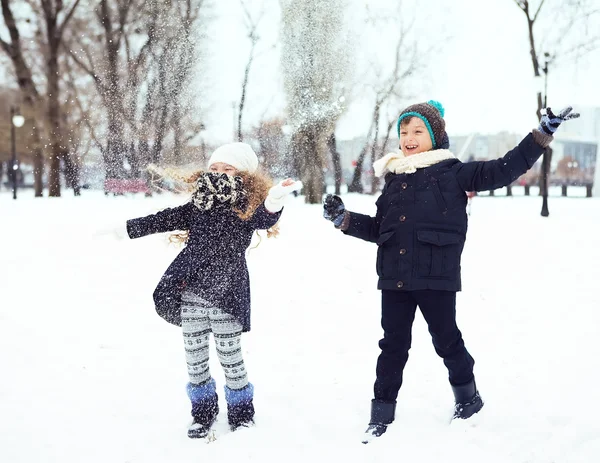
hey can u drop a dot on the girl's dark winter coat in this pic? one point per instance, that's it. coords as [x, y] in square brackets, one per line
[421, 220]
[213, 263]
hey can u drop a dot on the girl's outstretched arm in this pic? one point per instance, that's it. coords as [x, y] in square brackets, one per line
[268, 213]
[263, 219]
[176, 218]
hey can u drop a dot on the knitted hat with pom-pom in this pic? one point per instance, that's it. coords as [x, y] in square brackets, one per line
[432, 114]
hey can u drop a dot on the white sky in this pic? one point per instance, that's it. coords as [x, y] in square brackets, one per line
[483, 77]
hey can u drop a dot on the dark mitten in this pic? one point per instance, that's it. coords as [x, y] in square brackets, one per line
[549, 122]
[334, 210]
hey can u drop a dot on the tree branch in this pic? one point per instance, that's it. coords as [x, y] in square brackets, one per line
[535, 16]
[68, 17]
[7, 47]
[89, 71]
[524, 5]
[11, 25]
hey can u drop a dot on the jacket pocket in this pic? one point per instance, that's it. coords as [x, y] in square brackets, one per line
[384, 237]
[439, 197]
[382, 251]
[438, 253]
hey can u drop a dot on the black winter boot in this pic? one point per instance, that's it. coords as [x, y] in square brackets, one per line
[467, 400]
[240, 415]
[240, 408]
[205, 408]
[204, 413]
[382, 414]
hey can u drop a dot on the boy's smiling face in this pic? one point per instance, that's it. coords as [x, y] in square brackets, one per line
[414, 136]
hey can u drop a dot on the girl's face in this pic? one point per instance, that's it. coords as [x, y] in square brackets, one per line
[414, 137]
[223, 168]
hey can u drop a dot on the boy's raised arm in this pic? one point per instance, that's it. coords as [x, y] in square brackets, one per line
[489, 175]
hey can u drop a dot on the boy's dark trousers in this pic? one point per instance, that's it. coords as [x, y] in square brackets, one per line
[397, 316]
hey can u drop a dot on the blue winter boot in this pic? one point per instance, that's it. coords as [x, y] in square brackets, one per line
[240, 409]
[205, 408]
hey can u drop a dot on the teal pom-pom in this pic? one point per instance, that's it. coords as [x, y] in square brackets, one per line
[437, 105]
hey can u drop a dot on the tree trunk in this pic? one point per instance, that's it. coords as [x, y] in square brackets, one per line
[54, 122]
[374, 180]
[308, 156]
[161, 130]
[38, 163]
[240, 136]
[335, 159]
[177, 134]
[356, 185]
[113, 98]
[29, 91]
[71, 172]
[54, 32]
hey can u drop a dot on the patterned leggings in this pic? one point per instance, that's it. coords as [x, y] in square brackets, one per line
[198, 319]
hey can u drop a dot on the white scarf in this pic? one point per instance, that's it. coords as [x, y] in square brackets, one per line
[398, 163]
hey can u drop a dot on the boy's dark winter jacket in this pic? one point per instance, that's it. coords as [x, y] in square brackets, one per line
[421, 220]
[212, 264]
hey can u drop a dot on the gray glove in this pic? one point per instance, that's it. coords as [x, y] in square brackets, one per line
[334, 209]
[549, 122]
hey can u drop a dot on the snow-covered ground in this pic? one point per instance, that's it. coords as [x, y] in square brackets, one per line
[89, 373]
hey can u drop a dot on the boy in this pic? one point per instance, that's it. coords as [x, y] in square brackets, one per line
[420, 229]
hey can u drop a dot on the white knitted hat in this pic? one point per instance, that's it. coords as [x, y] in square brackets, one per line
[239, 155]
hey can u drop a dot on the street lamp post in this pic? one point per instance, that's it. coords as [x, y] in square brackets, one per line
[16, 120]
[548, 151]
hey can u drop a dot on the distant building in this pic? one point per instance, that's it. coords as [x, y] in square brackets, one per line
[350, 151]
[482, 147]
[575, 147]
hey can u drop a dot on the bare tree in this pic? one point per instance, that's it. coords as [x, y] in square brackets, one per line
[315, 66]
[101, 56]
[142, 72]
[272, 143]
[251, 27]
[84, 107]
[175, 64]
[561, 18]
[337, 164]
[56, 17]
[378, 150]
[389, 86]
[31, 96]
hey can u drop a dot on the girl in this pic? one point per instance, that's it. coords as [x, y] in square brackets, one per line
[420, 229]
[206, 288]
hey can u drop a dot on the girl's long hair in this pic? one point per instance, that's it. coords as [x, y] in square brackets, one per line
[257, 187]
